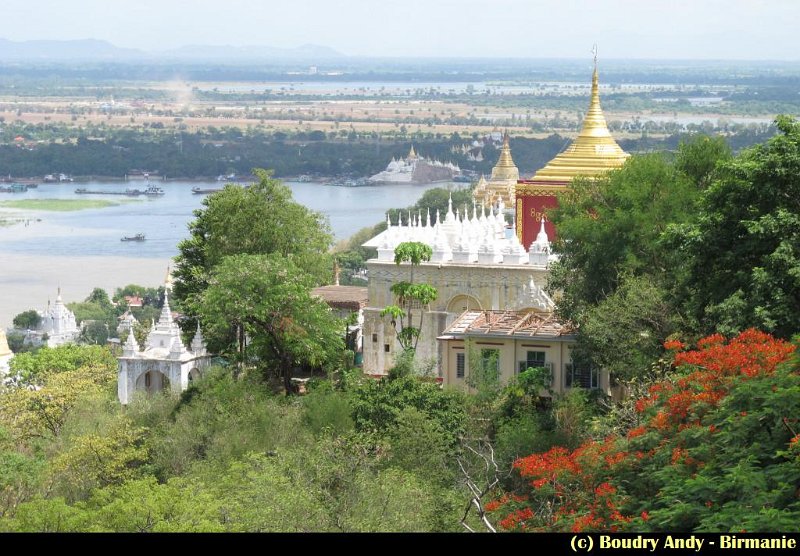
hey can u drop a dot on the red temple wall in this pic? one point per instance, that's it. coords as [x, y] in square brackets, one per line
[530, 209]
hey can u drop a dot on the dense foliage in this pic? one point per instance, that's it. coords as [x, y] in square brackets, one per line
[227, 455]
[742, 252]
[715, 448]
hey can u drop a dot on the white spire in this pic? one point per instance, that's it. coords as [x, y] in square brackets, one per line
[198, 343]
[166, 313]
[131, 345]
[428, 218]
[540, 248]
[541, 238]
[450, 206]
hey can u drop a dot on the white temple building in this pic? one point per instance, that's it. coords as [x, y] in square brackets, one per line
[416, 169]
[57, 326]
[164, 362]
[477, 264]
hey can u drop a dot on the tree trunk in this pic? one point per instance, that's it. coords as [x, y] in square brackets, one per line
[287, 375]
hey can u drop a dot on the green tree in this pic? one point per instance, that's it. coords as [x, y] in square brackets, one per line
[743, 252]
[410, 294]
[100, 297]
[95, 332]
[612, 225]
[27, 320]
[257, 220]
[268, 298]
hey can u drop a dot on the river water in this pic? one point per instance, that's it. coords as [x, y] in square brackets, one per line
[164, 219]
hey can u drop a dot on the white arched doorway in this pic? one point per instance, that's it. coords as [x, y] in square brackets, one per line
[152, 381]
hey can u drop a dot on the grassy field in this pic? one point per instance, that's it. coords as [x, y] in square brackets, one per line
[60, 205]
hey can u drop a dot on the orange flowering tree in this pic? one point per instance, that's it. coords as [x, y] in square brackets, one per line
[716, 448]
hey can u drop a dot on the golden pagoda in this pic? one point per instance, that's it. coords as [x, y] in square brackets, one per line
[412, 154]
[502, 183]
[591, 154]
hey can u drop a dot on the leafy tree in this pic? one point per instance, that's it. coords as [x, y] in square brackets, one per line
[95, 332]
[419, 445]
[20, 475]
[617, 279]
[377, 404]
[351, 257]
[35, 368]
[268, 298]
[624, 332]
[716, 448]
[43, 412]
[98, 460]
[611, 226]
[257, 220]
[743, 253]
[409, 294]
[100, 297]
[153, 297]
[27, 320]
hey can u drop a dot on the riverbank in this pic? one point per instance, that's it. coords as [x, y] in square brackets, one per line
[28, 281]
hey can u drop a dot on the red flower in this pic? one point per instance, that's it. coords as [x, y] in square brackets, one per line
[638, 431]
[674, 345]
[645, 516]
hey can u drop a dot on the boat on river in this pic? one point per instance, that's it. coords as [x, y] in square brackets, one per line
[137, 237]
[204, 190]
[152, 191]
[14, 188]
[129, 192]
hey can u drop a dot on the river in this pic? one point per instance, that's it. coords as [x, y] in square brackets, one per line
[81, 249]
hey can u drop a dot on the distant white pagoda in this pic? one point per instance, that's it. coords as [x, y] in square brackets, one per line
[56, 327]
[416, 169]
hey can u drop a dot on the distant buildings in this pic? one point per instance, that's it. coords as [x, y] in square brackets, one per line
[56, 327]
[416, 169]
[491, 282]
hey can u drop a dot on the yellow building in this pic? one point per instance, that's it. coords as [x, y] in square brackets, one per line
[501, 186]
[509, 342]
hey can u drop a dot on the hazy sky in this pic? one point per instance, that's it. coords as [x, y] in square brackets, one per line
[730, 29]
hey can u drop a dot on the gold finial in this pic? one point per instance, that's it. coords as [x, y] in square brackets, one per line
[593, 152]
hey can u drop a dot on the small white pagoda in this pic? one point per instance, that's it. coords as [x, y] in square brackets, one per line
[164, 362]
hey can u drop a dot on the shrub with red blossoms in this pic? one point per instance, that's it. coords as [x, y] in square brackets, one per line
[722, 429]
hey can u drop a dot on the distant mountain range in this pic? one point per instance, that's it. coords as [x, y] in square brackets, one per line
[98, 50]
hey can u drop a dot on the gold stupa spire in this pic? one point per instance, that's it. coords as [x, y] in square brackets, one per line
[592, 153]
[505, 169]
[412, 153]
